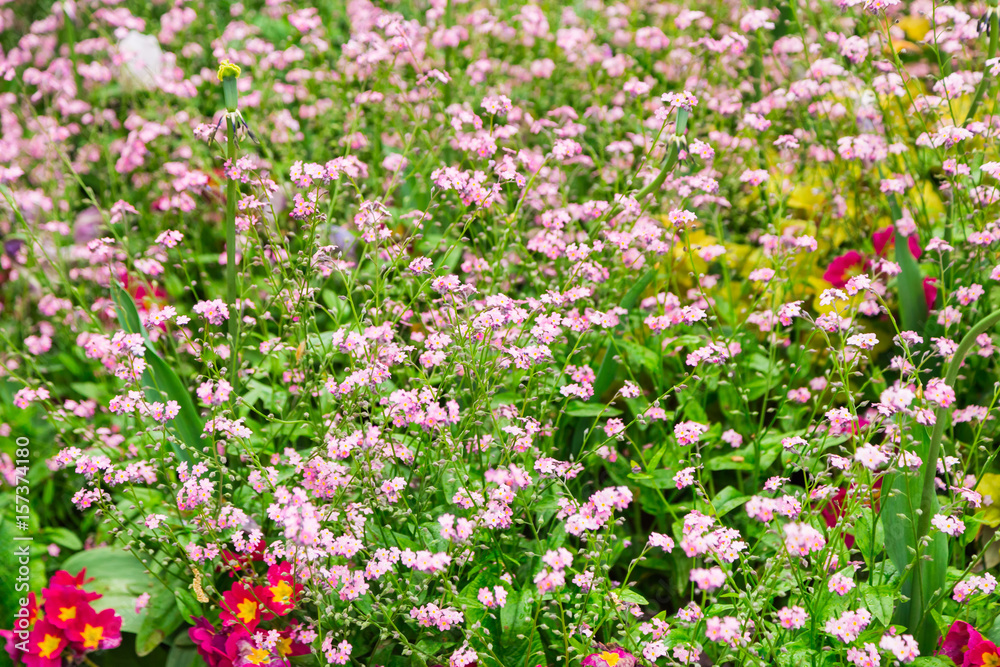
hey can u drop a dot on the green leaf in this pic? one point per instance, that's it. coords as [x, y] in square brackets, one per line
[609, 367]
[64, 538]
[160, 619]
[932, 661]
[515, 616]
[182, 657]
[187, 604]
[639, 354]
[900, 522]
[912, 304]
[869, 536]
[728, 499]
[629, 595]
[880, 602]
[113, 571]
[655, 479]
[578, 409]
[159, 378]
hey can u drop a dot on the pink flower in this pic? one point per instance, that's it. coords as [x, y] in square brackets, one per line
[948, 524]
[689, 432]
[662, 541]
[792, 618]
[761, 275]
[939, 393]
[708, 579]
[684, 478]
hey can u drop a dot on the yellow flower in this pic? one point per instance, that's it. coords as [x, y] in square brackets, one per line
[915, 27]
[989, 488]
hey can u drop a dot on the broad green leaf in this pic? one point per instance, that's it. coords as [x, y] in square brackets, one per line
[629, 595]
[869, 536]
[182, 657]
[728, 499]
[64, 538]
[902, 492]
[880, 602]
[187, 604]
[159, 620]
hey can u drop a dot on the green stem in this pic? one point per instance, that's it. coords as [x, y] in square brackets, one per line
[231, 296]
[680, 126]
[927, 494]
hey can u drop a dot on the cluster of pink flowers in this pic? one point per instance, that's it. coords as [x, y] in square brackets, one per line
[531, 307]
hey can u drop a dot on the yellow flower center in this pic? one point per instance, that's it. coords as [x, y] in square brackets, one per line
[282, 593]
[258, 656]
[92, 636]
[610, 658]
[47, 647]
[67, 613]
[247, 611]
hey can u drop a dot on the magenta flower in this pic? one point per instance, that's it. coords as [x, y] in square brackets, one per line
[611, 656]
[967, 648]
[837, 274]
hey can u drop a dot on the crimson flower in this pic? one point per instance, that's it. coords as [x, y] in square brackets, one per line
[241, 607]
[95, 630]
[281, 592]
[884, 238]
[838, 273]
[967, 648]
[852, 262]
[45, 646]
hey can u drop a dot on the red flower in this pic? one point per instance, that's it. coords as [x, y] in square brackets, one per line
[281, 592]
[851, 263]
[837, 273]
[65, 605]
[69, 620]
[241, 607]
[45, 646]
[144, 299]
[95, 631]
[887, 237]
[930, 292]
[233, 645]
[984, 654]
[211, 643]
[78, 580]
[967, 648]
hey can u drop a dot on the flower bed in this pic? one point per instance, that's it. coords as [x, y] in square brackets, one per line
[499, 334]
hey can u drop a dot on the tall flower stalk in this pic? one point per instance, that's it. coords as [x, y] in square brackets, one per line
[228, 73]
